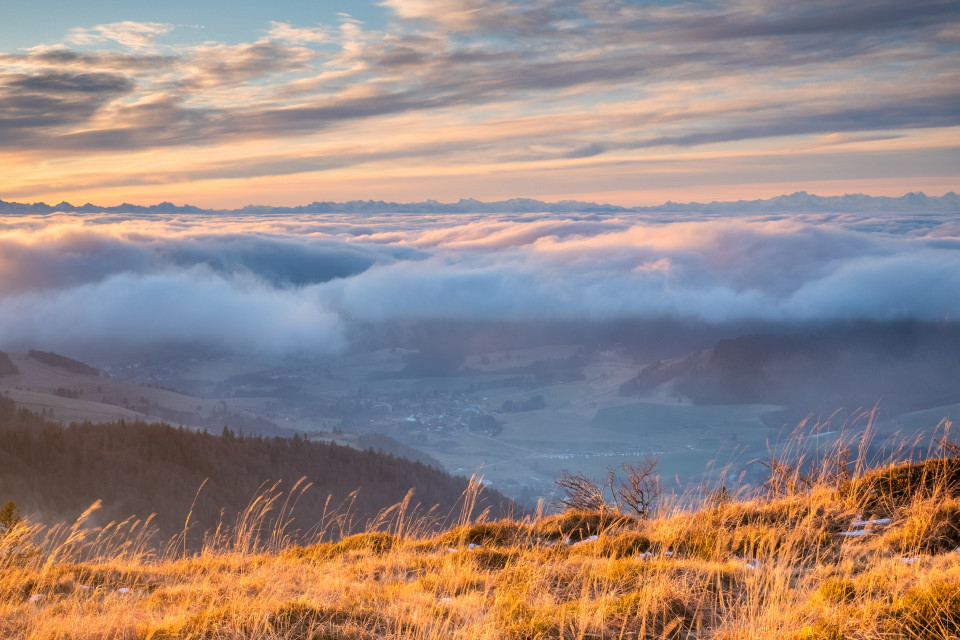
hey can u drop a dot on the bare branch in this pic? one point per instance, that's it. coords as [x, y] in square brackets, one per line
[580, 492]
[639, 488]
[949, 447]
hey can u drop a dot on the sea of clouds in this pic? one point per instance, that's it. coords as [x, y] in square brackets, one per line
[293, 283]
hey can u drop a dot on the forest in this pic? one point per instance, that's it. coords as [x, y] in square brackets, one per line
[136, 469]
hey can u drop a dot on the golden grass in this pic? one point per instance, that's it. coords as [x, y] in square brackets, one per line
[764, 567]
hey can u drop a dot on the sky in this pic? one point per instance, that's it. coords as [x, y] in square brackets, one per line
[282, 284]
[222, 104]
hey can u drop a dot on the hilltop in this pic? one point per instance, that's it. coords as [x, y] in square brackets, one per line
[839, 551]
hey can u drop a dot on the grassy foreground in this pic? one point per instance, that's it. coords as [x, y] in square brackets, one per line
[868, 554]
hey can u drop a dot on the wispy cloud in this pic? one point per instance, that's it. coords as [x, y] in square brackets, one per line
[624, 77]
[300, 35]
[135, 35]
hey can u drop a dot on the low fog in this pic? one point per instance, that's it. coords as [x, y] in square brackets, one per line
[283, 284]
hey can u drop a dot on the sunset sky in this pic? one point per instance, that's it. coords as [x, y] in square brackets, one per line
[221, 104]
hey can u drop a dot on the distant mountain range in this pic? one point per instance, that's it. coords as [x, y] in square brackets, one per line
[799, 202]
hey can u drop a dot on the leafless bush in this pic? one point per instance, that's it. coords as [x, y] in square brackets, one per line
[581, 493]
[639, 489]
[633, 494]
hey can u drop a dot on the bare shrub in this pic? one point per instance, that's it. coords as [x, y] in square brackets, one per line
[634, 493]
[639, 489]
[581, 493]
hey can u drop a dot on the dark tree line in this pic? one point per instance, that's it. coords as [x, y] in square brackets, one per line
[56, 472]
[485, 423]
[7, 368]
[57, 360]
[516, 406]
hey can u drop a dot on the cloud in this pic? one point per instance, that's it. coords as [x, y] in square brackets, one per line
[299, 35]
[780, 19]
[459, 15]
[896, 287]
[68, 83]
[191, 306]
[485, 90]
[587, 150]
[223, 65]
[713, 271]
[912, 112]
[63, 255]
[515, 232]
[283, 262]
[450, 60]
[276, 283]
[53, 101]
[135, 35]
[44, 59]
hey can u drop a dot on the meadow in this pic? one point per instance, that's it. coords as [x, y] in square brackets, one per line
[829, 549]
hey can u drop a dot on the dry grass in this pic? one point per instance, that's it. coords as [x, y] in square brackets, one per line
[766, 567]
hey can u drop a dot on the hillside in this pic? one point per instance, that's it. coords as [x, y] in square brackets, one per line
[7, 368]
[63, 362]
[66, 390]
[909, 365]
[839, 553]
[143, 469]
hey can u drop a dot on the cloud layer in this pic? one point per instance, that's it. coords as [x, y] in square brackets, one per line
[276, 283]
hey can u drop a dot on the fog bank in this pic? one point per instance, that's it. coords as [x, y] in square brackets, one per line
[293, 282]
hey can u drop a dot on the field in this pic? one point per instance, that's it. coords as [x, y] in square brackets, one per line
[70, 409]
[71, 397]
[539, 444]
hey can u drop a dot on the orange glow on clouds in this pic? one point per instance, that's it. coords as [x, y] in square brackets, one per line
[455, 104]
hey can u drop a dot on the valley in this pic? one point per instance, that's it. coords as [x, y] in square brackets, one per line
[517, 417]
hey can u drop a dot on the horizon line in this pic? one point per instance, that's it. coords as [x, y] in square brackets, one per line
[461, 201]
